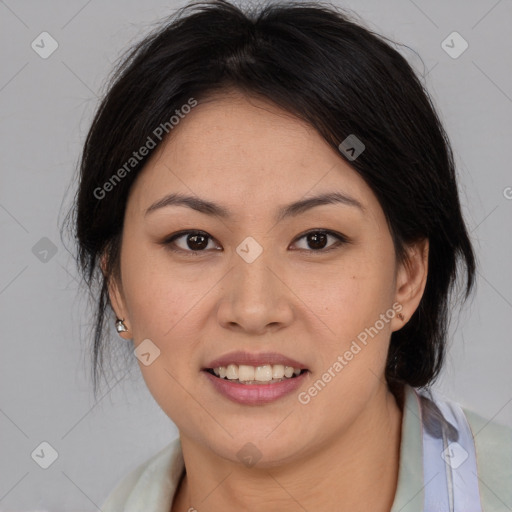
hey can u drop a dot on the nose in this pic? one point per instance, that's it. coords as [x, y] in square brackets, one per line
[255, 297]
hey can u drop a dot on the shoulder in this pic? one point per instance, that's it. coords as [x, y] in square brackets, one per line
[154, 480]
[493, 444]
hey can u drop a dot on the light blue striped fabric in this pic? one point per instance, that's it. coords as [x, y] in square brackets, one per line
[449, 457]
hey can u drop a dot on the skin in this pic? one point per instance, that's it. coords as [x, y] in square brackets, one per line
[341, 450]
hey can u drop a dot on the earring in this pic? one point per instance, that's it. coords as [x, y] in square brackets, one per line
[399, 315]
[120, 325]
[395, 365]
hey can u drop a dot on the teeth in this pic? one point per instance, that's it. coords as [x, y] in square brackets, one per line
[252, 374]
[277, 371]
[262, 373]
[232, 372]
[245, 372]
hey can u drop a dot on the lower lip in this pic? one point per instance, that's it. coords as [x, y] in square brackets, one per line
[255, 394]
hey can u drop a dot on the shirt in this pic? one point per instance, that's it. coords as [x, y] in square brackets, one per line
[151, 486]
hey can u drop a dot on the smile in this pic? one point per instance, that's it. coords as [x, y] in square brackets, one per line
[252, 391]
[264, 374]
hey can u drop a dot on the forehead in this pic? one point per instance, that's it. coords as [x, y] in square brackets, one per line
[246, 154]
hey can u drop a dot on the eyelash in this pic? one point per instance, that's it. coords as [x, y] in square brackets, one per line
[169, 241]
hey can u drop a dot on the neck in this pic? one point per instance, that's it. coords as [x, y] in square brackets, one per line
[356, 471]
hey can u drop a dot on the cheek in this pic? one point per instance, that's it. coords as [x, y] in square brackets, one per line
[348, 295]
[157, 295]
[350, 300]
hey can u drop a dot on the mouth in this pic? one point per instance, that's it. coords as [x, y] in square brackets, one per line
[256, 375]
[255, 378]
[255, 386]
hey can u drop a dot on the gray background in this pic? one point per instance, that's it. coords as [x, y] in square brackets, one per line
[46, 106]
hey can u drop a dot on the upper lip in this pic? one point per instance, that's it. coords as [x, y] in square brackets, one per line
[261, 359]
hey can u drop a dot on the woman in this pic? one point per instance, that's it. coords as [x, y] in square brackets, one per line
[269, 202]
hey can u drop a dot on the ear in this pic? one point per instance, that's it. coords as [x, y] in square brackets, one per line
[116, 297]
[411, 281]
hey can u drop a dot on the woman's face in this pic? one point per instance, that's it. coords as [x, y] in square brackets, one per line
[257, 283]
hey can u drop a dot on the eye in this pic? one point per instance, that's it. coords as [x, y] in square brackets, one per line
[317, 239]
[195, 242]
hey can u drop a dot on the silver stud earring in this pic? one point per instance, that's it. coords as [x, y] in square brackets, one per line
[120, 326]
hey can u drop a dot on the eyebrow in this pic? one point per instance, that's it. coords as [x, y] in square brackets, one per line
[290, 210]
